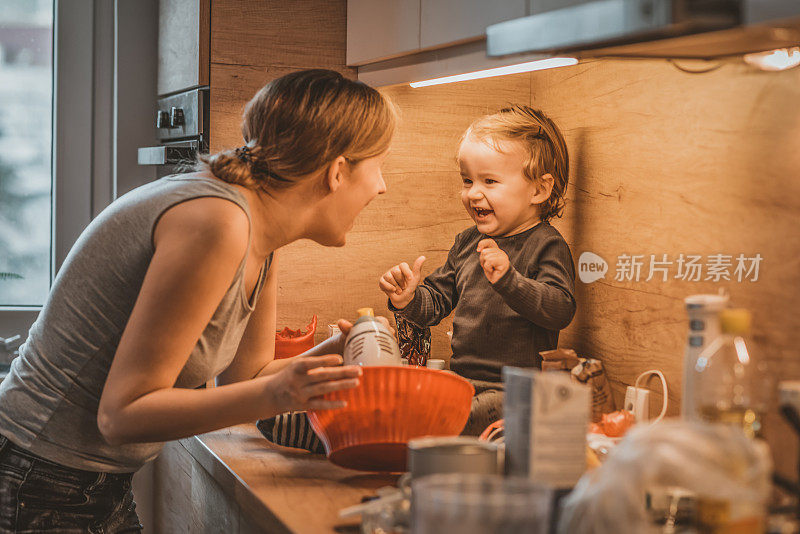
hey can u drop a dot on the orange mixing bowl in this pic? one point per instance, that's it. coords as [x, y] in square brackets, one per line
[390, 406]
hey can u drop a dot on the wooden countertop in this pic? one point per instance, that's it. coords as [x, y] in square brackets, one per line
[281, 489]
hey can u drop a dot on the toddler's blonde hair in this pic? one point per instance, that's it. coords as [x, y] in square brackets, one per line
[544, 145]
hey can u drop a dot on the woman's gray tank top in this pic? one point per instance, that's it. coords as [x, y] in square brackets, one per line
[49, 401]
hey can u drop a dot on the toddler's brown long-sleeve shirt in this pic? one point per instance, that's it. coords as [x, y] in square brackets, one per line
[506, 323]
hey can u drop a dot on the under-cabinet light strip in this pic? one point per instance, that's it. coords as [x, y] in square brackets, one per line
[541, 64]
[775, 60]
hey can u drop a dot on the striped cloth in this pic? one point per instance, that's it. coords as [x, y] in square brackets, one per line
[291, 430]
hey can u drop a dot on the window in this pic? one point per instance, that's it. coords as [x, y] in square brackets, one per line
[58, 132]
[48, 85]
[26, 117]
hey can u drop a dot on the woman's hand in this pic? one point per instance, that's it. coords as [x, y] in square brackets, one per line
[345, 325]
[304, 381]
[401, 281]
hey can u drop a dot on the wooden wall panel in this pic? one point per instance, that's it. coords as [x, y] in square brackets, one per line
[232, 86]
[434, 118]
[286, 33]
[255, 41]
[666, 162]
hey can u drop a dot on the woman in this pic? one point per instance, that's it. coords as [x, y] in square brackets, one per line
[172, 285]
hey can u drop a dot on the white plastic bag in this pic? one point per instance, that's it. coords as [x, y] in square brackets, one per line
[708, 460]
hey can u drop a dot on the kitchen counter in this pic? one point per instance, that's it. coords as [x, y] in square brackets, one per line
[275, 489]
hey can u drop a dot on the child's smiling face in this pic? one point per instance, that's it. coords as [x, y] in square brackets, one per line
[496, 193]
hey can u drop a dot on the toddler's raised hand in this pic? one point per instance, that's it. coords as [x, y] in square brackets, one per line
[494, 261]
[400, 282]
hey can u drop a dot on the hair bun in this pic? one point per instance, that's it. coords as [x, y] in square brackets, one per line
[244, 154]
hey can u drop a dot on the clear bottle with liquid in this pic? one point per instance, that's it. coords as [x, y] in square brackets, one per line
[703, 314]
[728, 380]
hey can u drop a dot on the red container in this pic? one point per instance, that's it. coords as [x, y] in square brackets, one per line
[290, 342]
[391, 406]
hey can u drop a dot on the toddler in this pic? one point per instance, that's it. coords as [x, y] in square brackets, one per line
[509, 279]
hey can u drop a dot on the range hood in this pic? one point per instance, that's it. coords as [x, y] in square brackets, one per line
[651, 28]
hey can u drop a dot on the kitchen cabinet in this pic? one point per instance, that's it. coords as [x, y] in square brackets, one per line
[189, 499]
[183, 44]
[380, 29]
[452, 21]
[236, 482]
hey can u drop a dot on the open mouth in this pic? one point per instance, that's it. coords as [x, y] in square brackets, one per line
[481, 213]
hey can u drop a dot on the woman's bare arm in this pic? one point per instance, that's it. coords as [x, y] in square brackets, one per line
[198, 247]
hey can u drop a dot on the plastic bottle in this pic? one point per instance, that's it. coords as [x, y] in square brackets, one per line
[728, 382]
[370, 342]
[703, 312]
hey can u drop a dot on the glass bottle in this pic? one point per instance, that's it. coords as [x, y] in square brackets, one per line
[727, 379]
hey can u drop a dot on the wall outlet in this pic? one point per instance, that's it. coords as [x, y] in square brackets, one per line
[637, 401]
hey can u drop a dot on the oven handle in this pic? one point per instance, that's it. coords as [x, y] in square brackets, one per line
[168, 154]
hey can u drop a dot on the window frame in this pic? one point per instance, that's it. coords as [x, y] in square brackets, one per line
[81, 181]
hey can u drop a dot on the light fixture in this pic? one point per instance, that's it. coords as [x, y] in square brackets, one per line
[541, 64]
[775, 60]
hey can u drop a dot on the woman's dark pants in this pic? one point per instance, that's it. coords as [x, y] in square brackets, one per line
[37, 495]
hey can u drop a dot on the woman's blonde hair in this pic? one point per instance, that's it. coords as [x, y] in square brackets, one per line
[298, 124]
[544, 144]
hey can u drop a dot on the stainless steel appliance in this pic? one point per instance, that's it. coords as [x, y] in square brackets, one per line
[454, 454]
[649, 28]
[181, 122]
